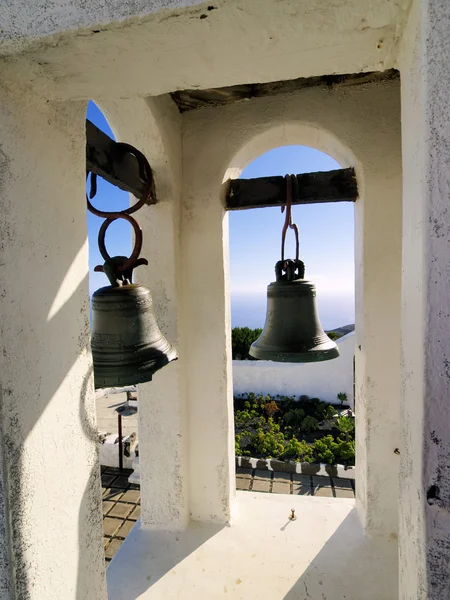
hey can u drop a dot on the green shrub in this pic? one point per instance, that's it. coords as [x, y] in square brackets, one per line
[269, 444]
[300, 451]
[294, 418]
[309, 424]
[242, 417]
[241, 340]
[345, 425]
[333, 335]
[346, 450]
[330, 412]
[325, 450]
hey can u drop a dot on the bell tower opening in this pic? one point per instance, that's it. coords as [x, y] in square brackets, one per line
[116, 407]
[293, 416]
[108, 198]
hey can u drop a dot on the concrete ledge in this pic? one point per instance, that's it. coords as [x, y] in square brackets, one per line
[260, 554]
[317, 469]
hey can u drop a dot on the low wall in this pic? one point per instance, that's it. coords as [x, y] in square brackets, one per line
[323, 380]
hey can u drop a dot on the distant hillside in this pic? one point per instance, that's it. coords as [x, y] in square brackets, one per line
[341, 331]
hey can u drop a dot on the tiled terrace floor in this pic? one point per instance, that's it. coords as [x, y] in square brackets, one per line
[121, 508]
[122, 501]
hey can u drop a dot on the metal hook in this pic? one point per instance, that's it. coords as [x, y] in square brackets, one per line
[291, 180]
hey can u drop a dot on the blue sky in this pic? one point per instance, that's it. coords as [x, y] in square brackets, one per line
[326, 239]
[108, 197]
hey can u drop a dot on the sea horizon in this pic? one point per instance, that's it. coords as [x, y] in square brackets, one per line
[335, 310]
[249, 310]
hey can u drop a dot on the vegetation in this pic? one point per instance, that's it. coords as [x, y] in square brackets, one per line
[241, 340]
[334, 335]
[342, 397]
[243, 337]
[304, 429]
[346, 426]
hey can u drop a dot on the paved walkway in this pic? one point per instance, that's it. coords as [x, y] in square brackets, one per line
[122, 501]
[256, 480]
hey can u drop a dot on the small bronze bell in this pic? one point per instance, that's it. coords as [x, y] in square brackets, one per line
[127, 344]
[292, 332]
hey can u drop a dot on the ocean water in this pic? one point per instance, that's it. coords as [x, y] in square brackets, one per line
[335, 310]
[249, 310]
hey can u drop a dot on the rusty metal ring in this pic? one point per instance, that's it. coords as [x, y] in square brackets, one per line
[106, 214]
[131, 261]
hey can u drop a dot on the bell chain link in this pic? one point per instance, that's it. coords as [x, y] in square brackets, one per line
[290, 269]
[119, 269]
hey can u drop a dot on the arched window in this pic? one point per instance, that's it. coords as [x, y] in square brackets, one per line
[275, 426]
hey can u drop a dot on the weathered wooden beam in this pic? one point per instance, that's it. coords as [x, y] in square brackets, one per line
[111, 161]
[194, 99]
[313, 188]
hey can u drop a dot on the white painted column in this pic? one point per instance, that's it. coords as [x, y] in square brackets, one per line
[425, 468]
[51, 502]
[206, 347]
[378, 223]
[154, 127]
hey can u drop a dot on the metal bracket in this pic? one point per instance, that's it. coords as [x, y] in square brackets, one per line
[120, 164]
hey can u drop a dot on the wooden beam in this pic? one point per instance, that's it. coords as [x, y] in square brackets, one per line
[111, 161]
[194, 99]
[313, 188]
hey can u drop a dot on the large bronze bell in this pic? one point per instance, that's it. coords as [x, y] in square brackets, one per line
[292, 332]
[127, 344]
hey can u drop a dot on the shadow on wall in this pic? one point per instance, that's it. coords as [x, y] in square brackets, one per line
[90, 520]
[60, 331]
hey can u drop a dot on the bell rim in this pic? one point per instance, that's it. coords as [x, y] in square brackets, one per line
[106, 376]
[305, 356]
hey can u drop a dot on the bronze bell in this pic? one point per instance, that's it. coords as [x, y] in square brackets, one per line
[292, 332]
[127, 344]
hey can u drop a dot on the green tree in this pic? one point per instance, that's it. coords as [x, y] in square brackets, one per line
[309, 424]
[241, 340]
[333, 335]
[293, 418]
[345, 425]
[342, 397]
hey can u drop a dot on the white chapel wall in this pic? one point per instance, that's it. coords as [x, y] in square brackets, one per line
[322, 380]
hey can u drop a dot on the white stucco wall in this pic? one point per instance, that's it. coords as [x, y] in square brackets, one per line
[48, 440]
[149, 48]
[322, 380]
[154, 126]
[359, 127]
[425, 459]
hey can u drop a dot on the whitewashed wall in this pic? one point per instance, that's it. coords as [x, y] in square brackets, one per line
[323, 380]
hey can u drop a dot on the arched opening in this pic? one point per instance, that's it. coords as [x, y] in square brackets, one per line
[107, 198]
[120, 499]
[292, 412]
